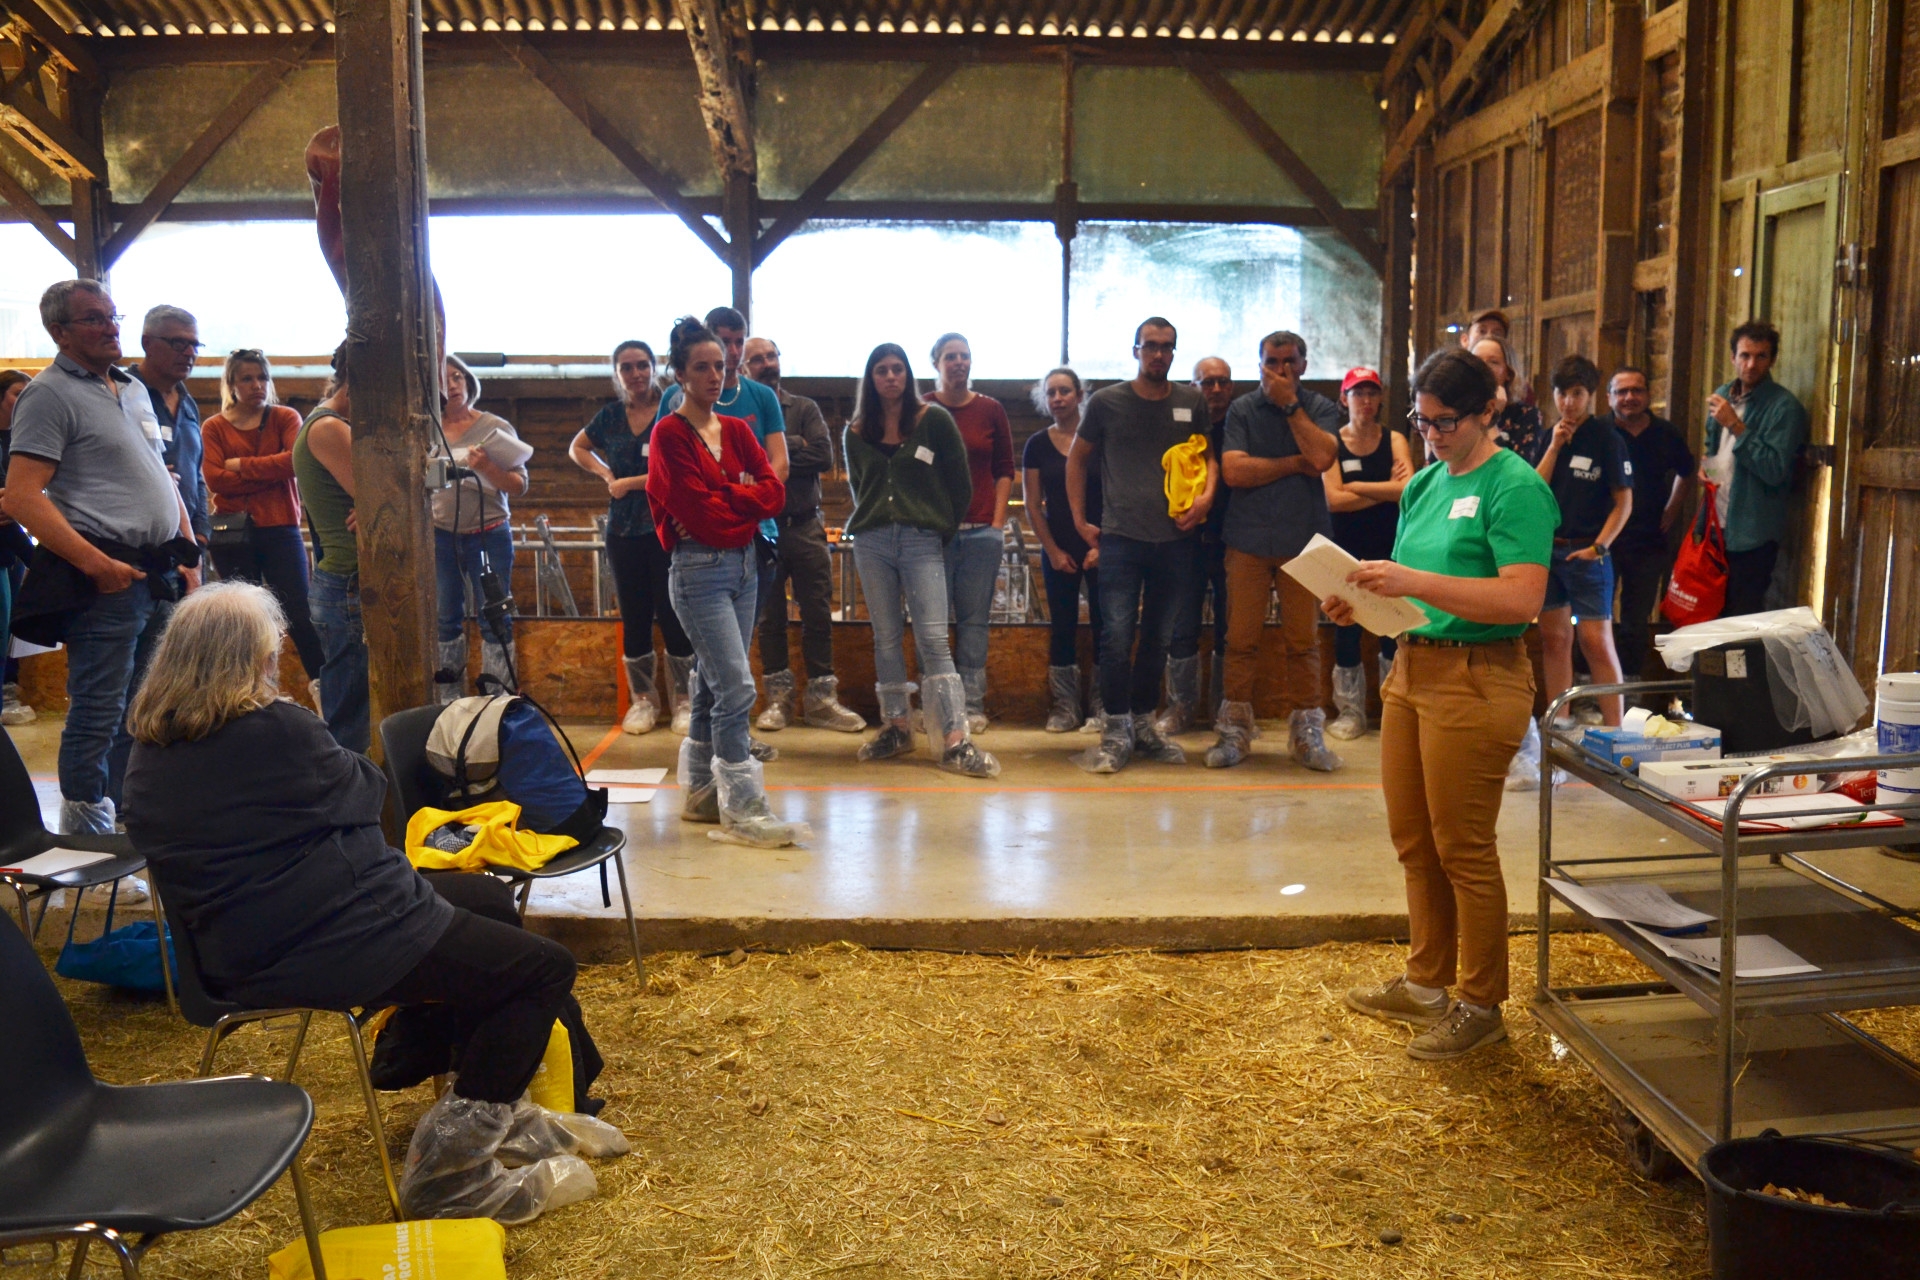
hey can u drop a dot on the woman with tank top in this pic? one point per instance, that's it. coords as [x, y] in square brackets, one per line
[1363, 494]
[323, 472]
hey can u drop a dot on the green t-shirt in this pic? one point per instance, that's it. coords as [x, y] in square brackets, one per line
[1471, 526]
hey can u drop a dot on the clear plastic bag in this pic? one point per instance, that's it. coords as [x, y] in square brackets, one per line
[1812, 686]
[507, 1161]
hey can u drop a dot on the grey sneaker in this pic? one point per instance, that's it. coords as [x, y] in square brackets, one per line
[1392, 1002]
[701, 805]
[764, 752]
[1463, 1030]
[1306, 743]
[969, 761]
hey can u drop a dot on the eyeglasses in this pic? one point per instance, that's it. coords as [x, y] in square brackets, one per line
[1211, 383]
[109, 321]
[1432, 426]
[185, 346]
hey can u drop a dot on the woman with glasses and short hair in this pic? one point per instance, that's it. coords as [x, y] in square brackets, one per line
[247, 460]
[1475, 538]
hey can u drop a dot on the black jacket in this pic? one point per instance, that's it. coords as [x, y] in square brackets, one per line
[265, 836]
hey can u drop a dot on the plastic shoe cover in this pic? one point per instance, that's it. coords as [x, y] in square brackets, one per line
[1523, 772]
[744, 815]
[14, 711]
[779, 696]
[974, 681]
[821, 707]
[641, 717]
[892, 741]
[969, 761]
[499, 662]
[701, 801]
[1151, 744]
[643, 711]
[1350, 696]
[680, 684]
[1063, 686]
[1183, 691]
[1114, 751]
[537, 1134]
[1235, 727]
[450, 679]
[1306, 745]
[1096, 708]
[453, 1170]
[86, 817]
[764, 752]
[944, 698]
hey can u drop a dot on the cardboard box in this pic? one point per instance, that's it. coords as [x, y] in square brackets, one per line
[1629, 749]
[1716, 779]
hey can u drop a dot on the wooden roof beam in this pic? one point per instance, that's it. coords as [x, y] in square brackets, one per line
[48, 225]
[56, 37]
[723, 57]
[238, 111]
[1505, 20]
[1352, 228]
[53, 141]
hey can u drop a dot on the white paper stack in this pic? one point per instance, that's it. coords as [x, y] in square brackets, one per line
[54, 861]
[1760, 955]
[1322, 568]
[1646, 904]
[627, 786]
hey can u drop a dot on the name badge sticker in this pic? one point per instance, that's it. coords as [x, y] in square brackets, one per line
[924, 454]
[646, 448]
[1183, 415]
[166, 433]
[1465, 508]
[1350, 464]
[1579, 463]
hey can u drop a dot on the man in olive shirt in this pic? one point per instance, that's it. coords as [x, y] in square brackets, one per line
[802, 558]
[1145, 555]
[1755, 430]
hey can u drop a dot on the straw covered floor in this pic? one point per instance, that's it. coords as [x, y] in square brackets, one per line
[841, 1112]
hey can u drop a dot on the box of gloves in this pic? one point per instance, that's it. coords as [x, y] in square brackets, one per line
[1642, 737]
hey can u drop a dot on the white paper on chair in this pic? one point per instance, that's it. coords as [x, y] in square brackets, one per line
[1322, 568]
[1646, 904]
[54, 861]
[627, 786]
[1760, 954]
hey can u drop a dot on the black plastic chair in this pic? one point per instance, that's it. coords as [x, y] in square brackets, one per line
[23, 835]
[223, 1017]
[416, 786]
[92, 1163]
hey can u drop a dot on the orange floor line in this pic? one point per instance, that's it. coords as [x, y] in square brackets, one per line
[599, 749]
[1002, 790]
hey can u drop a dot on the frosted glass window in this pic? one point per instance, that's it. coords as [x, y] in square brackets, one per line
[31, 264]
[249, 284]
[1223, 287]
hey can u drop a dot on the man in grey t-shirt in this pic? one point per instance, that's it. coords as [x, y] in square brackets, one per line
[1144, 554]
[83, 472]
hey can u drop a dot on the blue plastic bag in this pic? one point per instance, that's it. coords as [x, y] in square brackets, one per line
[127, 957]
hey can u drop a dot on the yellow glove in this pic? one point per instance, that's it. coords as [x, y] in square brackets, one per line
[1186, 468]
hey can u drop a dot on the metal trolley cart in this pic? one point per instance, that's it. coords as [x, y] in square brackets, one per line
[1696, 1057]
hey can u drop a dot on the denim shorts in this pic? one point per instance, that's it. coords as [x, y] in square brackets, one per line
[1587, 585]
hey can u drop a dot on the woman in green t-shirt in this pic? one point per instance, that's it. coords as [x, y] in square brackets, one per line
[1476, 533]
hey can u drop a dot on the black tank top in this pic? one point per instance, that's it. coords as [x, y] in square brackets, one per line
[1367, 535]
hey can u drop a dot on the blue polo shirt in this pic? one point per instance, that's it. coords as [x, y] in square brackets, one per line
[750, 401]
[181, 450]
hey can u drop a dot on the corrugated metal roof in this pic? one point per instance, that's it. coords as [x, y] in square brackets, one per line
[1326, 21]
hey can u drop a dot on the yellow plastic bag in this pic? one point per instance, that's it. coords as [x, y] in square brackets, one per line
[552, 1085]
[1186, 468]
[444, 1249]
[497, 842]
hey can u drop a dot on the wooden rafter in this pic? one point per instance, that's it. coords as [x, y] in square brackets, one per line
[1505, 20]
[857, 152]
[49, 226]
[55, 37]
[1351, 226]
[722, 50]
[223, 126]
[660, 184]
[51, 140]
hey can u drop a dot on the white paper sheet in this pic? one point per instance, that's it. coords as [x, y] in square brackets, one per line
[1760, 954]
[630, 795]
[1782, 813]
[504, 450]
[1646, 904]
[626, 777]
[1322, 568]
[54, 861]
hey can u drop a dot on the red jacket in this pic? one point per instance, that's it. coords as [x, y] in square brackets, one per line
[716, 503]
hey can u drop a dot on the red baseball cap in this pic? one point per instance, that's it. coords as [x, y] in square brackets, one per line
[1357, 375]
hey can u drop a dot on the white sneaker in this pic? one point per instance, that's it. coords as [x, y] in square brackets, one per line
[682, 718]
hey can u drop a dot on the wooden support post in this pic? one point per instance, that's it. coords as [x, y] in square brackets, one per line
[1426, 252]
[720, 39]
[392, 338]
[1066, 205]
[743, 223]
[92, 201]
[1619, 186]
[1396, 318]
[1688, 287]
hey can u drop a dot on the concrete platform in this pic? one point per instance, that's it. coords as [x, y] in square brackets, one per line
[1045, 858]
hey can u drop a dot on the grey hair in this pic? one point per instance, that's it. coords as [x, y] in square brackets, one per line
[56, 304]
[471, 378]
[164, 314]
[214, 664]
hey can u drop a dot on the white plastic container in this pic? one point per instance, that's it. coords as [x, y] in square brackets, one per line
[1899, 724]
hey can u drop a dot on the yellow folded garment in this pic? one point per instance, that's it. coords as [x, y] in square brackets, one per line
[497, 840]
[1186, 468]
[445, 1249]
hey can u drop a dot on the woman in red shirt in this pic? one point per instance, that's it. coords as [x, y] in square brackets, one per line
[248, 465]
[709, 485]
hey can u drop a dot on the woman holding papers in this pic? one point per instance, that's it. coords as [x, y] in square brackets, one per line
[471, 536]
[1475, 537]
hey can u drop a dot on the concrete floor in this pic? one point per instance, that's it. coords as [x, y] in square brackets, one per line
[1046, 857]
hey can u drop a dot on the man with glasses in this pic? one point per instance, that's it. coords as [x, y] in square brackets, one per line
[1145, 555]
[116, 545]
[1278, 441]
[170, 337]
[1662, 467]
[1214, 381]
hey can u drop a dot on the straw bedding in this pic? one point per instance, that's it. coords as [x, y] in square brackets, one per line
[845, 1113]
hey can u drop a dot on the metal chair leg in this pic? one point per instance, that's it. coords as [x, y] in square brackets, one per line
[523, 891]
[308, 1227]
[633, 930]
[166, 959]
[299, 1042]
[373, 1113]
[26, 921]
[79, 1264]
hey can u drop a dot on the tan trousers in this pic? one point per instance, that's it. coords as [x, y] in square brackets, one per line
[1451, 721]
[1249, 579]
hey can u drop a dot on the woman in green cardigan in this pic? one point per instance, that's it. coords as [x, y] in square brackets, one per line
[907, 466]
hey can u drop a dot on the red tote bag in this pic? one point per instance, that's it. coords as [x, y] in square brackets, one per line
[1697, 592]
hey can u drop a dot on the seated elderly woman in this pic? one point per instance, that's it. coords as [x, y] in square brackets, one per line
[264, 837]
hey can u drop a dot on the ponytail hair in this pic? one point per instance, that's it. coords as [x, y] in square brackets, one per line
[687, 334]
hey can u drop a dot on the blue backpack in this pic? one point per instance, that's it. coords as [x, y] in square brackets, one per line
[506, 747]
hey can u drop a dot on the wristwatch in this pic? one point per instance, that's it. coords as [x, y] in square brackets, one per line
[1288, 410]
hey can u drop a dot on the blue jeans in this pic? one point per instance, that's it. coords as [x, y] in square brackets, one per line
[900, 562]
[108, 647]
[1143, 587]
[1210, 565]
[1063, 613]
[335, 605]
[715, 594]
[973, 566]
[456, 573]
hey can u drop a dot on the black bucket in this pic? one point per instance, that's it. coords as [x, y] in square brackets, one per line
[1733, 693]
[1753, 1236]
